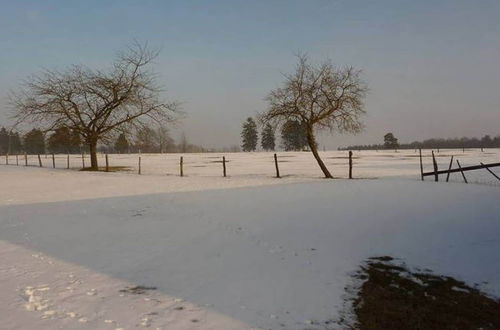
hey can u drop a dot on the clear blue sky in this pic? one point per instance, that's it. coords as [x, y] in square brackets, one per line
[433, 66]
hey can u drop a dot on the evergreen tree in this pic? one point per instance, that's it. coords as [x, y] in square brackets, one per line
[10, 142]
[249, 135]
[4, 141]
[76, 142]
[293, 135]
[34, 142]
[267, 140]
[390, 142]
[121, 144]
[60, 141]
[16, 146]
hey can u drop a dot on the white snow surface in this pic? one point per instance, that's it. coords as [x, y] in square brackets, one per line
[267, 253]
[252, 165]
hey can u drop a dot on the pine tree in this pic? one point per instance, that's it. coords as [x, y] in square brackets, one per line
[4, 141]
[76, 142]
[60, 141]
[34, 142]
[390, 142]
[121, 144]
[267, 139]
[10, 142]
[249, 135]
[293, 136]
[15, 143]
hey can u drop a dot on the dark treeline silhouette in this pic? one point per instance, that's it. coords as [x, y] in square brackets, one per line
[453, 143]
[66, 141]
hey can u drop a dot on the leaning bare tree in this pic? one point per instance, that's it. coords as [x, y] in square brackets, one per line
[95, 103]
[320, 97]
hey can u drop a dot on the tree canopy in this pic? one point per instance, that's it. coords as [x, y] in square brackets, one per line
[96, 103]
[319, 97]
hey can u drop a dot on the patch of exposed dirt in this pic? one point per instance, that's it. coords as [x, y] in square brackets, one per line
[140, 289]
[393, 297]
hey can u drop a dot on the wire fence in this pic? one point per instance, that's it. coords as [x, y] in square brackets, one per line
[342, 164]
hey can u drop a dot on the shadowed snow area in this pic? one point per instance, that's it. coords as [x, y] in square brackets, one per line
[268, 257]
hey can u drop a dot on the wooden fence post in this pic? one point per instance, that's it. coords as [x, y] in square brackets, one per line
[53, 161]
[276, 165]
[17, 160]
[39, 160]
[449, 168]
[25, 159]
[83, 160]
[421, 165]
[139, 165]
[434, 163]
[463, 174]
[224, 165]
[350, 164]
[496, 176]
[107, 163]
[67, 162]
[6, 159]
[181, 164]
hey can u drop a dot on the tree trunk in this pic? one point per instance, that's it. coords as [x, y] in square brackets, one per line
[93, 156]
[314, 148]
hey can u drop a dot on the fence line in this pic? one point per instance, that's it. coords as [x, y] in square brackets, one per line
[436, 172]
[295, 164]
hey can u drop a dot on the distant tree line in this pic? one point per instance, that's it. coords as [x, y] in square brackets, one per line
[68, 141]
[435, 143]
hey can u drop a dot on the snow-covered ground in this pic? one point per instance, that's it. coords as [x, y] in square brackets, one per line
[367, 164]
[267, 253]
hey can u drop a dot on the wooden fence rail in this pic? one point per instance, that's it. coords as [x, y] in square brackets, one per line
[466, 168]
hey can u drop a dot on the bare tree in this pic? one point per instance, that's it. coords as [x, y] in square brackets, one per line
[97, 104]
[320, 97]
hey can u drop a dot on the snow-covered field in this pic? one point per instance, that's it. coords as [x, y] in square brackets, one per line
[367, 164]
[248, 251]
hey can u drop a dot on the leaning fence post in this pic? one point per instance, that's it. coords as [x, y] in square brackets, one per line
[224, 165]
[53, 161]
[139, 165]
[350, 164]
[181, 164]
[449, 169]
[463, 174]
[276, 165]
[486, 167]
[39, 160]
[107, 163]
[434, 163]
[421, 165]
